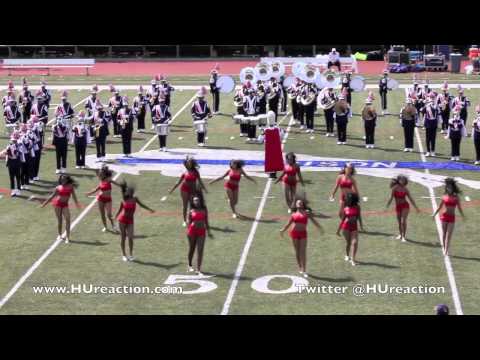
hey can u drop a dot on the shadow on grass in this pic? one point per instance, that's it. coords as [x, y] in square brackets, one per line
[376, 233]
[224, 230]
[464, 257]
[333, 280]
[228, 276]
[97, 243]
[263, 221]
[42, 192]
[426, 244]
[53, 183]
[155, 264]
[44, 186]
[385, 266]
[80, 175]
[220, 147]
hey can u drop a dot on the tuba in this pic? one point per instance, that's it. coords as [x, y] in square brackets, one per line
[248, 74]
[309, 97]
[277, 69]
[263, 71]
[326, 102]
[330, 79]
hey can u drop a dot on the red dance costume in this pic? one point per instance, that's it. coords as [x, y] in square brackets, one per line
[192, 230]
[344, 183]
[188, 178]
[350, 221]
[401, 195]
[450, 202]
[233, 180]
[105, 186]
[290, 176]
[128, 210]
[62, 191]
[299, 218]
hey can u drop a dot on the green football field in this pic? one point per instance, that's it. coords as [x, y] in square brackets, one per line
[248, 268]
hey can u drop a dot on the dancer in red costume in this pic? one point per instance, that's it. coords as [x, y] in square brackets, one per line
[289, 178]
[350, 217]
[233, 183]
[61, 196]
[189, 186]
[346, 183]
[125, 216]
[198, 227]
[104, 197]
[400, 193]
[450, 201]
[298, 232]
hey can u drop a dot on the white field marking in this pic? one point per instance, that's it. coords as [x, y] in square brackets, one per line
[52, 247]
[448, 264]
[268, 197]
[467, 198]
[249, 241]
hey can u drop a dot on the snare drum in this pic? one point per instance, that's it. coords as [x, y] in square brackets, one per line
[163, 129]
[239, 119]
[10, 128]
[200, 126]
[262, 120]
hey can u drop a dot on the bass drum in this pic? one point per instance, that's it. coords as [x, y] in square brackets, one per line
[289, 81]
[357, 83]
[392, 84]
[226, 84]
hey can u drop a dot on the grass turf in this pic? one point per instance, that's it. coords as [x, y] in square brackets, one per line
[160, 247]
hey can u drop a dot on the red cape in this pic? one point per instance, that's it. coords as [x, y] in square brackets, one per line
[273, 150]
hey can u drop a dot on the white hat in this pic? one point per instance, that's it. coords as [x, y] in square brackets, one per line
[368, 100]
[333, 49]
[271, 118]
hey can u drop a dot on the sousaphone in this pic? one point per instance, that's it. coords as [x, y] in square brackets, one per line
[330, 79]
[277, 69]
[248, 74]
[263, 71]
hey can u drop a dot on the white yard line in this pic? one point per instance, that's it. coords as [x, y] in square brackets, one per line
[448, 265]
[77, 220]
[251, 235]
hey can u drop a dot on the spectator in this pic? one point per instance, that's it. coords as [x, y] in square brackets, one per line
[334, 59]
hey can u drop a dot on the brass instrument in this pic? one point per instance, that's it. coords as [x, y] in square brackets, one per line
[274, 89]
[123, 120]
[308, 98]
[238, 100]
[341, 108]
[326, 102]
[368, 113]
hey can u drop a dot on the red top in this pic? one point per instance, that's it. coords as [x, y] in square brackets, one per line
[350, 213]
[105, 185]
[399, 194]
[299, 218]
[197, 215]
[64, 190]
[234, 176]
[345, 183]
[188, 178]
[128, 210]
[450, 201]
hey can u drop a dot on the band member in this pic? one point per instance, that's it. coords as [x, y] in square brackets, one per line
[115, 104]
[214, 90]
[34, 138]
[40, 109]
[25, 101]
[162, 116]
[431, 124]
[200, 112]
[140, 109]
[298, 232]
[274, 93]
[300, 108]
[189, 180]
[92, 102]
[261, 98]
[14, 157]
[61, 196]
[166, 89]
[198, 227]
[369, 117]
[238, 102]
[104, 196]
[347, 184]
[444, 104]
[100, 131]
[292, 93]
[415, 93]
[342, 110]
[251, 108]
[152, 97]
[28, 148]
[289, 179]
[456, 130]
[348, 224]
[476, 134]
[10, 94]
[47, 95]
[383, 90]
[38, 130]
[328, 99]
[152, 102]
[400, 193]
[450, 201]
[408, 119]
[125, 124]
[308, 97]
[334, 59]
[60, 141]
[347, 90]
[283, 98]
[125, 217]
[12, 115]
[65, 111]
[80, 137]
[232, 185]
[463, 102]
